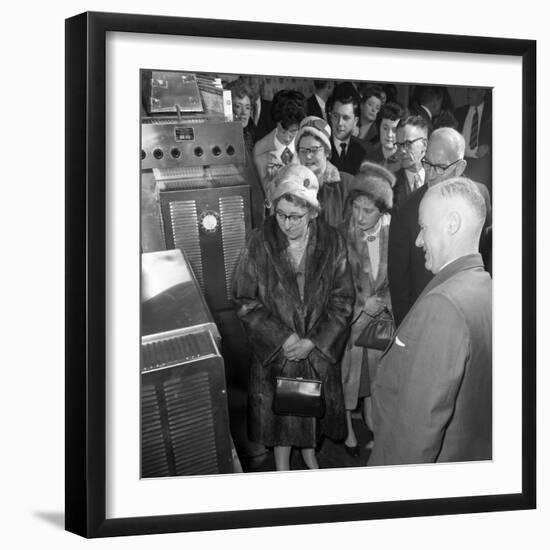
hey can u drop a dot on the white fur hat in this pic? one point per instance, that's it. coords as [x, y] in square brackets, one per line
[296, 180]
[317, 127]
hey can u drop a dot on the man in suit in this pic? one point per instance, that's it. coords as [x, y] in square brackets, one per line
[316, 104]
[347, 153]
[475, 124]
[261, 108]
[411, 143]
[407, 274]
[428, 101]
[432, 399]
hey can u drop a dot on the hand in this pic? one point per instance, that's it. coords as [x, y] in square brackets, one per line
[373, 305]
[291, 340]
[300, 350]
[482, 151]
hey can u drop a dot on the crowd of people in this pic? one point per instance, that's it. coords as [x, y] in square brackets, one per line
[370, 206]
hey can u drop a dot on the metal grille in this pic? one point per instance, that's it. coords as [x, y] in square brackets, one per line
[191, 424]
[185, 229]
[153, 447]
[177, 350]
[233, 235]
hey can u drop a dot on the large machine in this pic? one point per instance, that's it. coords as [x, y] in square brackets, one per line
[196, 198]
[184, 412]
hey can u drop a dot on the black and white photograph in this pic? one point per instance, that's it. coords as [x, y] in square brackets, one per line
[316, 273]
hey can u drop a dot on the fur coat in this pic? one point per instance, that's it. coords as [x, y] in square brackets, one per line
[269, 306]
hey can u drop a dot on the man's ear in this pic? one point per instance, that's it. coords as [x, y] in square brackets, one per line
[460, 167]
[454, 221]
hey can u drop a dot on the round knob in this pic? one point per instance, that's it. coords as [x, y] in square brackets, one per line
[158, 154]
[198, 151]
[230, 150]
[143, 155]
[216, 151]
[176, 153]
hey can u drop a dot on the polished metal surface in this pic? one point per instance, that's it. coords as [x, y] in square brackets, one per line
[188, 143]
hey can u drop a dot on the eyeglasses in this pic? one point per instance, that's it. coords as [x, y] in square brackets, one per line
[408, 143]
[292, 218]
[437, 168]
[309, 150]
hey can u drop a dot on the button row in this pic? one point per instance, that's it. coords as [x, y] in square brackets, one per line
[176, 153]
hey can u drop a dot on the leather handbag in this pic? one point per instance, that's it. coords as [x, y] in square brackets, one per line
[299, 396]
[379, 332]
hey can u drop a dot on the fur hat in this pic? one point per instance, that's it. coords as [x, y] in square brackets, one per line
[296, 180]
[317, 127]
[375, 182]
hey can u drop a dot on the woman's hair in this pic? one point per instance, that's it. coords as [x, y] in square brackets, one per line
[391, 111]
[307, 132]
[297, 201]
[288, 107]
[372, 90]
[239, 89]
[377, 201]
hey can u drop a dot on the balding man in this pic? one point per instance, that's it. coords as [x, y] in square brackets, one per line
[432, 399]
[407, 274]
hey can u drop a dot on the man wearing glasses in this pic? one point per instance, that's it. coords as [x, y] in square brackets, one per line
[407, 274]
[411, 143]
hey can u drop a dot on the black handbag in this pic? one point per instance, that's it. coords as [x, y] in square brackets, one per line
[379, 332]
[299, 396]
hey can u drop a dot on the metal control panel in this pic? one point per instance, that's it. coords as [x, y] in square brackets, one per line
[174, 145]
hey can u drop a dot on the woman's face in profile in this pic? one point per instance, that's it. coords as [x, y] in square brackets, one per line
[365, 213]
[241, 110]
[292, 219]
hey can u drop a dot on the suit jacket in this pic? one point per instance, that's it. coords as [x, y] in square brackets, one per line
[479, 169]
[313, 107]
[265, 122]
[355, 155]
[432, 399]
[420, 111]
[407, 273]
[401, 189]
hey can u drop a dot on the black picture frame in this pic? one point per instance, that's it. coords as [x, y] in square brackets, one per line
[86, 272]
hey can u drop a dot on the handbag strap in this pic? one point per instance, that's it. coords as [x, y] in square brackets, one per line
[307, 360]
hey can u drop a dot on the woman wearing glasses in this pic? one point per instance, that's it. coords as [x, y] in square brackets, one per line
[294, 295]
[314, 150]
[366, 233]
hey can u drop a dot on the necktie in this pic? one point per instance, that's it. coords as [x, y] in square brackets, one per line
[286, 156]
[343, 150]
[417, 182]
[474, 130]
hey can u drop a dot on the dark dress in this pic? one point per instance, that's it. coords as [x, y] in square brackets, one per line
[267, 295]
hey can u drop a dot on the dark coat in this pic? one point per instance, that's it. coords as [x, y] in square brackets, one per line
[407, 272]
[355, 155]
[401, 190]
[269, 306]
[333, 195]
[265, 122]
[432, 399]
[313, 107]
[480, 169]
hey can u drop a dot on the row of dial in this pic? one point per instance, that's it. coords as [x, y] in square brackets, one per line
[198, 151]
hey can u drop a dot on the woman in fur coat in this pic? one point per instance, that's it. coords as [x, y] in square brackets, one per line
[294, 294]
